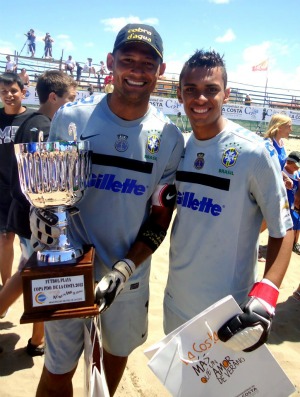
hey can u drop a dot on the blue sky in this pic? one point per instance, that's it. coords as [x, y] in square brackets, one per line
[245, 31]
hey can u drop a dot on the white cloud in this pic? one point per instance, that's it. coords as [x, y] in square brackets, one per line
[228, 36]
[89, 44]
[115, 24]
[277, 78]
[256, 54]
[173, 68]
[6, 47]
[220, 1]
[64, 42]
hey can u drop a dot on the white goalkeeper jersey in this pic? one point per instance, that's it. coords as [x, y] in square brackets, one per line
[130, 158]
[226, 186]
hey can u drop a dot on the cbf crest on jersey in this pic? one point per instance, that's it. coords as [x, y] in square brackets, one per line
[153, 143]
[229, 157]
[121, 144]
[199, 162]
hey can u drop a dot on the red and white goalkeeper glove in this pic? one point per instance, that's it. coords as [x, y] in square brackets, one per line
[249, 330]
[113, 283]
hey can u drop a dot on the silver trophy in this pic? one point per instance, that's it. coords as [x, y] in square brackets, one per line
[54, 176]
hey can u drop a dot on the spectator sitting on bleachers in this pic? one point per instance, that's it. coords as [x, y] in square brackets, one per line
[89, 68]
[103, 69]
[70, 65]
[24, 77]
[10, 66]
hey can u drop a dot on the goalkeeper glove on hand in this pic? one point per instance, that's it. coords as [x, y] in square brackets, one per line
[249, 330]
[113, 283]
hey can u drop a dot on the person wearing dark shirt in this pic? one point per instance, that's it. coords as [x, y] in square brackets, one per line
[78, 72]
[54, 89]
[248, 100]
[31, 41]
[12, 115]
[48, 45]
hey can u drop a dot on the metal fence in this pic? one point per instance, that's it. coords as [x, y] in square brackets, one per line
[167, 87]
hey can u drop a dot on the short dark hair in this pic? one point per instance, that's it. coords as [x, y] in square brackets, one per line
[53, 81]
[9, 78]
[205, 59]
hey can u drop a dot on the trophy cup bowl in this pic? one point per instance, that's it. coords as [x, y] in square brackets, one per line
[53, 176]
[58, 281]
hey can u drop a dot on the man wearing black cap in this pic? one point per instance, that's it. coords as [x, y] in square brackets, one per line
[126, 209]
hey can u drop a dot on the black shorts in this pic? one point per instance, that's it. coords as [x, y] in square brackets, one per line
[5, 202]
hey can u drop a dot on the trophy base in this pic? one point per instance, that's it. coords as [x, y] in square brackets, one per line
[60, 291]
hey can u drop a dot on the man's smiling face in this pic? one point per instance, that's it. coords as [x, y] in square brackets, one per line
[202, 92]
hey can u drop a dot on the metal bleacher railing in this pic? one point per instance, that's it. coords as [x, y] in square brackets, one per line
[284, 99]
[166, 86]
[36, 66]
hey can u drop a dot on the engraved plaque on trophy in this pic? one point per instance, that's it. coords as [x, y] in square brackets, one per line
[58, 281]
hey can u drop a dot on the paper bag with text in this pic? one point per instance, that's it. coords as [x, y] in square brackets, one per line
[192, 361]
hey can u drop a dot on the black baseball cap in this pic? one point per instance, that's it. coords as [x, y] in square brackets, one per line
[295, 158]
[140, 33]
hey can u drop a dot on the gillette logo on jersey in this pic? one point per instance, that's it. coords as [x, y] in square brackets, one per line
[108, 182]
[206, 204]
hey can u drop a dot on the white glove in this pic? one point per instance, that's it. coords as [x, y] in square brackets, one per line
[249, 330]
[43, 230]
[113, 283]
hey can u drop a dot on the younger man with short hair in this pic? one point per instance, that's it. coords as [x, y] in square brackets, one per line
[54, 89]
[12, 115]
[227, 182]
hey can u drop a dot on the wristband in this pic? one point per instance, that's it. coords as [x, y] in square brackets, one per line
[152, 235]
[126, 267]
[262, 290]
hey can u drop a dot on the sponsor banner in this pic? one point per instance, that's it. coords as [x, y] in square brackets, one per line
[171, 106]
[233, 112]
[31, 97]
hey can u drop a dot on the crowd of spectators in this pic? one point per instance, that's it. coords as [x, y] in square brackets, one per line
[100, 79]
[104, 80]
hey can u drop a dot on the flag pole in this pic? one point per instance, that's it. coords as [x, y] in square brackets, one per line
[263, 66]
[266, 86]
